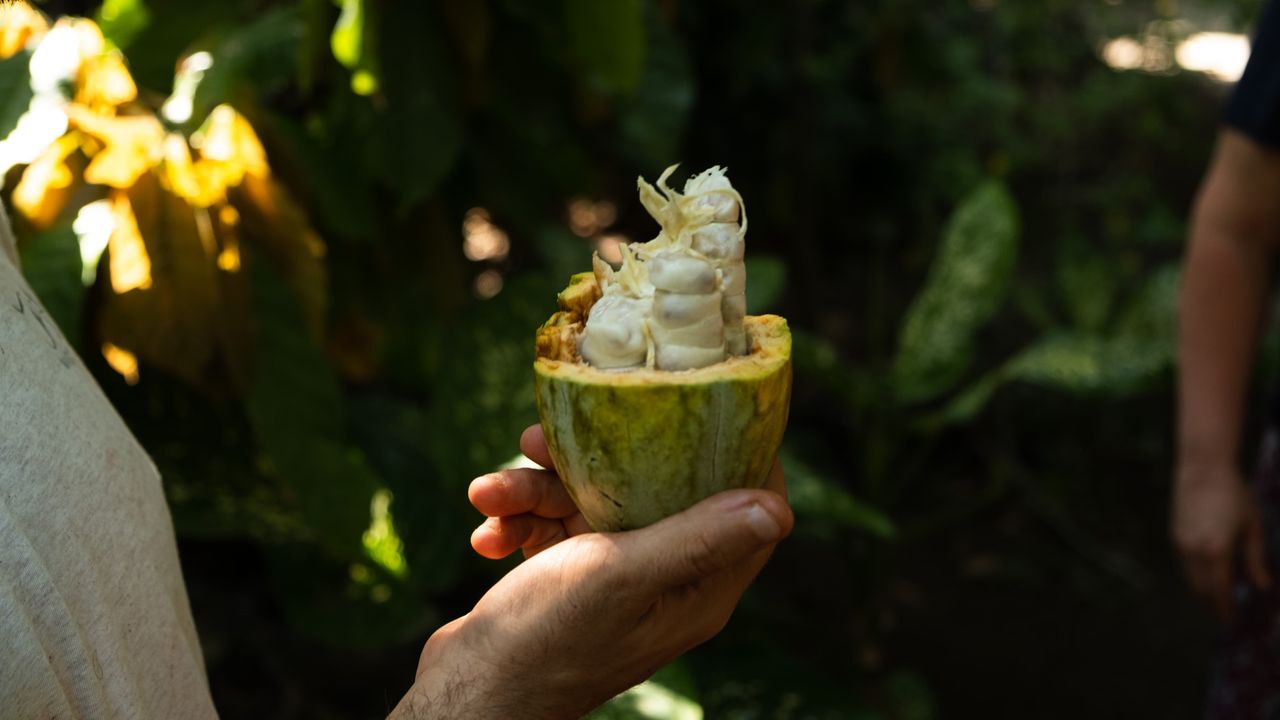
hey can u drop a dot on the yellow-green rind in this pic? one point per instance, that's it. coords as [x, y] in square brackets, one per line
[634, 447]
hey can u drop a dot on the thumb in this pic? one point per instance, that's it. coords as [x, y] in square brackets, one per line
[713, 535]
[1255, 553]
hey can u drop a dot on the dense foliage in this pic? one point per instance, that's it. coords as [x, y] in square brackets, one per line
[333, 231]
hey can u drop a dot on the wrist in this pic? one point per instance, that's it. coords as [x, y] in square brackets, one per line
[1200, 455]
[449, 679]
[464, 674]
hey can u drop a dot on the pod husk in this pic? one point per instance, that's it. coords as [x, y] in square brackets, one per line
[635, 446]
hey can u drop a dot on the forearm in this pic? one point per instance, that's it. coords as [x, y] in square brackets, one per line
[1223, 294]
[1224, 291]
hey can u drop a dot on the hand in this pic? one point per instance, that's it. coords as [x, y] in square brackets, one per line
[1214, 517]
[588, 614]
[527, 509]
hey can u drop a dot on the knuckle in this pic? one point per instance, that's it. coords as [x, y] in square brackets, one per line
[517, 530]
[702, 555]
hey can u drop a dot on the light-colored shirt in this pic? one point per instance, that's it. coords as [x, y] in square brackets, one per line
[94, 617]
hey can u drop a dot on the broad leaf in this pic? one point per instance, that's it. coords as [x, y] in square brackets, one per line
[51, 264]
[15, 91]
[827, 508]
[1088, 282]
[1140, 348]
[164, 303]
[965, 287]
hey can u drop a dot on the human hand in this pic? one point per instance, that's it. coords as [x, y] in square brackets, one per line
[1214, 517]
[526, 508]
[588, 615]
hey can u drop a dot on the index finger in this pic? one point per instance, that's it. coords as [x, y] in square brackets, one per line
[519, 491]
[533, 443]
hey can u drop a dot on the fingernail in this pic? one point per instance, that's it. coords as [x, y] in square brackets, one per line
[764, 525]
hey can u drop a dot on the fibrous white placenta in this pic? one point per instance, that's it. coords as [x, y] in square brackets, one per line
[678, 301]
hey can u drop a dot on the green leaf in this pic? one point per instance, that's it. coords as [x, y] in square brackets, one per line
[1088, 283]
[766, 280]
[296, 411]
[1154, 311]
[607, 38]
[15, 91]
[1141, 347]
[347, 40]
[51, 264]
[668, 695]
[352, 46]
[122, 20]
[826, 506]
[966, 285]
[431, 510]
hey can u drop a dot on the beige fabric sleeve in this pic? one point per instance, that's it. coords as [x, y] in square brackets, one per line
[94, 617]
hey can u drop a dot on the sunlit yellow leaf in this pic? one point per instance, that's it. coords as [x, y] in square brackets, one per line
[202, 183]
[19, 22]
[46, 183]
[229, 139]
[88, 34]
[122, 361]
[105, 83]
[130, 263]
[179, 171]
[175, 320]
[132, 145]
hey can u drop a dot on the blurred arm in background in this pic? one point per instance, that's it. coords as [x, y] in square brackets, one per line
[588, 615]
[1235, 230]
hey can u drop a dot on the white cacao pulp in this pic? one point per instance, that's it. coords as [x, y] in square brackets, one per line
[678, 301]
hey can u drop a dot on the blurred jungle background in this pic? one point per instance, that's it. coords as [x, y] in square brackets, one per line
[304, 246]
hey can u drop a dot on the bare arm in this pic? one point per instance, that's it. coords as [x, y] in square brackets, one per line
[1235, 231]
